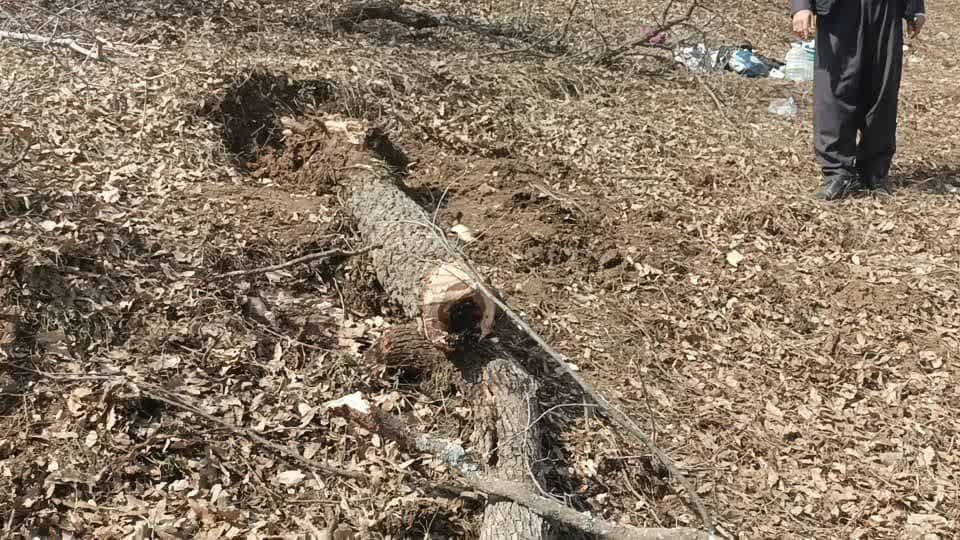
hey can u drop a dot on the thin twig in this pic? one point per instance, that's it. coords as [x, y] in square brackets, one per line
[298, 260]
[61, 42]
[511, 491]
[606, 407]
[716, 100]
[645, 40]
[5, 167]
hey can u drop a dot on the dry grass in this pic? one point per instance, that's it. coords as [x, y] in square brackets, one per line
[809, 390]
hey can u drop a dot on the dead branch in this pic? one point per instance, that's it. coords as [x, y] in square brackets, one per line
[498, 488]
[355, 13]
[6, 167]
[552, 510]
[299, 260]
[60, 42]
[646, 40]
[359, 411]
[713, 95]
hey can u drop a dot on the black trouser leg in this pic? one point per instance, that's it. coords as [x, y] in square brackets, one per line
[880, 88]
[836, 88]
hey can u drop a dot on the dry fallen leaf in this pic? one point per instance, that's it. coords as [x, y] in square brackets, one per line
[463, 233]
[291, 477]
[734, 258]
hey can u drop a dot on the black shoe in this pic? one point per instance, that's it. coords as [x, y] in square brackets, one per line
[878, 184]
[835, 187]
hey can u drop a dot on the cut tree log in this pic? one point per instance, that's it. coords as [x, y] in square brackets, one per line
[354, 13]
[434, 285]
[412, 263]
[419, 271]
[511, 406]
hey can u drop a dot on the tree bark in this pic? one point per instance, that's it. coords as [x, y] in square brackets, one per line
[355, 13]
[414, 263]
[511, 406]
[403, 352]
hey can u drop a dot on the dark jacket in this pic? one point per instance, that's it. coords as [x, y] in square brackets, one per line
[822, 7]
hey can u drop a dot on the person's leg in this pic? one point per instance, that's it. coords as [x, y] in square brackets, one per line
[836, 89]
[883, 54]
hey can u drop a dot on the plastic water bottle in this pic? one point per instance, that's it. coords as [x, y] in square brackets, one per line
[785, 107]
[799, 63]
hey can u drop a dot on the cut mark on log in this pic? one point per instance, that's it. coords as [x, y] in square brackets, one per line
[453, 307]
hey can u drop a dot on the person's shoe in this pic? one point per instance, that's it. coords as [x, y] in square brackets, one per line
[878, 184]
[835, 187]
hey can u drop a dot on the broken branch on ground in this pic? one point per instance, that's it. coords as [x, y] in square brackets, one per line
[60, 42]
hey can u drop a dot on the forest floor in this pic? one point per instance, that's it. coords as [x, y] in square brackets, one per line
[798, 360]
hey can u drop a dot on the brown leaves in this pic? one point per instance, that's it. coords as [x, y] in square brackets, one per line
[799, 359]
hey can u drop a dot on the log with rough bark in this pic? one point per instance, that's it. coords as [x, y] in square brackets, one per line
[414, 264]
[433, 285]
[510, 399]
[403, 352]
[354, 13]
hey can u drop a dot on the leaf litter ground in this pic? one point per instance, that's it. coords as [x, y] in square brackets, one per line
[798, 360]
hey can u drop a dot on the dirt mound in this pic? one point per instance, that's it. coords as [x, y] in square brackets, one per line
[250, 107]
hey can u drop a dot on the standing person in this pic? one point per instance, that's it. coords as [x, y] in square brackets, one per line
[856, 86]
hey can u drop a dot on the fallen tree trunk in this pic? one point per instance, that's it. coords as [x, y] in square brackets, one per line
[511, 407]
[413, 263]
[419, 271]
[355, 13]
[434, 285]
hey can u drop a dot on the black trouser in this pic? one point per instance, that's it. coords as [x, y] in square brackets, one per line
[856, 86]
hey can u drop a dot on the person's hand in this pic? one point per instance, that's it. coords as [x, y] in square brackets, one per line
[914, 26]
[803, 23]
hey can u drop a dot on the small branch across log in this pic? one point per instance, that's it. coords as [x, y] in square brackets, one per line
[293, 262]
[60, 42]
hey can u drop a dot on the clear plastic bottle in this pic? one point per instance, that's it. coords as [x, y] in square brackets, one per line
[799, 64]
